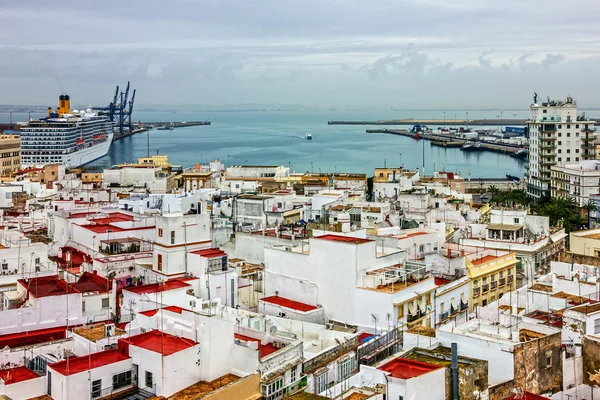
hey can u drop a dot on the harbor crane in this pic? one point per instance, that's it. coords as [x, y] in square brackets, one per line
[120, 110]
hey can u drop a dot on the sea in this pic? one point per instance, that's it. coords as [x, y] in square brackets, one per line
[278, 138]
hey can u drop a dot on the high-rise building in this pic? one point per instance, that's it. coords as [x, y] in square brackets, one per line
[557, 135]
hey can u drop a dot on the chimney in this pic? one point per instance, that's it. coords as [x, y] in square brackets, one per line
[67, 104]
[454, 369]
[449, 252]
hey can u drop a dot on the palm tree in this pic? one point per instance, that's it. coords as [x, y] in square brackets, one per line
[589, 208]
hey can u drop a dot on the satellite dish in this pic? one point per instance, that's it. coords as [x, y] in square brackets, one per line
[273, 329]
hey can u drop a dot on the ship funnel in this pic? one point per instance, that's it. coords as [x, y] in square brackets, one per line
[49, 111]
[61, 104]
[67, 109]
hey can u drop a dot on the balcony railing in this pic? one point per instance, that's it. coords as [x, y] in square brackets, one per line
[501, 281]
[476, 291]
[510, 278]
[463, 306]
[493, 285]
[444, 316]
[484, 288]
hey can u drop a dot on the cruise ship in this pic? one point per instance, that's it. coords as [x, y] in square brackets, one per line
[72, 138]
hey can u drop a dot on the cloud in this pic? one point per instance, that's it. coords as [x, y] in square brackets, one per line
[415, 53]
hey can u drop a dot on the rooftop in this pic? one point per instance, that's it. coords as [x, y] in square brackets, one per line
[160, 342]
[92, 282]
[526, 396]
[210, 253]
[344, 239]
[75, 365]
[45, 286]
[403, 368]
[287, 303]
[96, 332]
[18, 374]
[587, 308]
[32, 337]
[202, 388]
[171, 284]
[440, 356]
[264, 349]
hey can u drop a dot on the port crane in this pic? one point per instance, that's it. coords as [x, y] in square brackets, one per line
[120, 110]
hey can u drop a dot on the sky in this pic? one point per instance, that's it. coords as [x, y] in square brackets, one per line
[407, 54]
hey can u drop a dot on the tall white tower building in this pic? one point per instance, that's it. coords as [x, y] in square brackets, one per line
[557, 135]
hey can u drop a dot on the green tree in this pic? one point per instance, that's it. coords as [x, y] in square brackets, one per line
[589, 208]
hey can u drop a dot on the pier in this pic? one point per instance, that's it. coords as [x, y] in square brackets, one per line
[167, 125]
[436, 122]
[118, 136]
[444, 140]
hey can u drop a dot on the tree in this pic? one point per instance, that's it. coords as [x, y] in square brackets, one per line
[589, 208]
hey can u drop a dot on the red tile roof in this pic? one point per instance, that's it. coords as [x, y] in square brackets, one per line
[92, 282]
[160, 342]
[527, 396]
[175, 309]
[294, 305]
[345, 239]
[149, 313]
[75, 365]
[45, 286]
[210, 253]
[264, 349]
[171, 284]
[18, 374]
[32, 337]
[80, 214]
[403, 368]
[483, 260]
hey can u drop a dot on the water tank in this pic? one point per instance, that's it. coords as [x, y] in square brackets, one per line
[344, 220]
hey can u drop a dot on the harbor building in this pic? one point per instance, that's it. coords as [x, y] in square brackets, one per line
[577, 180]
[10, 152]
[557, 136]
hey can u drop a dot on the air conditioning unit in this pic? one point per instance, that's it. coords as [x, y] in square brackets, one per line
[329, 326]
[109, 330]
[278, 344]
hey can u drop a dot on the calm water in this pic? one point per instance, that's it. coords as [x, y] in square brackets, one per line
[277, 138]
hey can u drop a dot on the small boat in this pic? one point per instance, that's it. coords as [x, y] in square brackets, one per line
[513, 178]
[471, 146]
[308, 136]
[520, 153]
[417, 136]
[79, 142]
[169, 127]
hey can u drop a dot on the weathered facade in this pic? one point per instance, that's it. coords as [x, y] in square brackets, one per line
[591, 361]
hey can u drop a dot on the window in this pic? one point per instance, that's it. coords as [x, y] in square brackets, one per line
[548, 359]
[105, 302]
[568, 158]
[576, 150]
[597, 326]
[159, 262]
[346, 368]
[568, 126]
[516, 220]
[96, 388]
[4, 266]
[568, 151]
[322, 383]
[476, 382]
[293, 375]
[172, 237]
[160, 232]
[83, 305]
[483, 303]
[149, 381]
[121, 380]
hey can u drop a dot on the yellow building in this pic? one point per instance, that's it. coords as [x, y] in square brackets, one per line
[585, 243]
[156, 160]
[387, 174]
[10, 151]
[491, 274]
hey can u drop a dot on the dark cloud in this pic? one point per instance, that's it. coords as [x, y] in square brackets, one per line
[423, 53]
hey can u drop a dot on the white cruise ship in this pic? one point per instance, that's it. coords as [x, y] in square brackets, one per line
[72, 138]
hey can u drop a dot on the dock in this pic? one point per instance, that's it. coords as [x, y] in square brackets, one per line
[437, 122]
[444, 140]
[118, 136]
[166, 125]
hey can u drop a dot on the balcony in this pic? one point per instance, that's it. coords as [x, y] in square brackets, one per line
[463, 306]
[588, 145]
[510, 279]
[501, 281]
[484, 288]
[476, 291]
[493, 285]
[444, 316]
[548, 144]
[453, 310]
[548, 161]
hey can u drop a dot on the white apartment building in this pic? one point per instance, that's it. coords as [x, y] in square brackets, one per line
[557, 135]
[578, 180]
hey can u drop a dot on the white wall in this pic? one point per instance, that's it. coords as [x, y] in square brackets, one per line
[24, 390]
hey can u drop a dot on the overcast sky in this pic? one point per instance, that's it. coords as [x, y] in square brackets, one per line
[339, 53]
